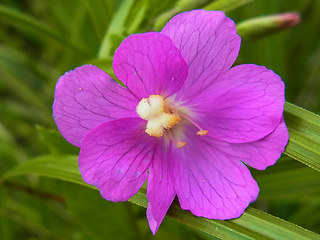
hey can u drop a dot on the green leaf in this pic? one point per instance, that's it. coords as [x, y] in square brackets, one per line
[27, 23]
[100, 217]
[253, 224]
[28, 216]
[55, 142]
[226, 5]
[116, 27]
[137, 15]
[156, 7]
[304, 131]
[100, 12]
[14, 73]
[5, 230]
[288, 183]
[180, 6]
[63, 167]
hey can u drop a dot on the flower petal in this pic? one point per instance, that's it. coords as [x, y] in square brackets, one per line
[160, 189]
[149, 64]
[208, 181]
[87, 97]
[243, 105]
[209, 43]
[264, 152]
[115, 156]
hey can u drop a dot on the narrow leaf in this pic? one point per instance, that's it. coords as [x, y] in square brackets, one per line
[63, 167]
[304, 131]
[100, 13]
[55, 142]
[116, 27]
[253, 224]
[288, 183]
[226, 5]
[180, 6]
[101, 218]
[16, 85]
[136, 17]
[25, 22]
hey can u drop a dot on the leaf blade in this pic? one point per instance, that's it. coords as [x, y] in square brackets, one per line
[253, 224]
[25, 22]
[304, 132]
[116, 27]
[226, 5]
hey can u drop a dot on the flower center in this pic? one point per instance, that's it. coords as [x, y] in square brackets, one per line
[162, 115]
[159, 116]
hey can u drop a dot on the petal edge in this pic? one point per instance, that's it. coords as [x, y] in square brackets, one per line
[115, 156]
[86, 97]
[149, 64]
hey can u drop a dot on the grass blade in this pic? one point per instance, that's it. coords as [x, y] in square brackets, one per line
[25, 22]
[226, 5]
[116, 27]
[288, 183]
[304, 131]
[253, 224]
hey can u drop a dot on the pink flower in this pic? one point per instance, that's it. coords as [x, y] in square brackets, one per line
[186, 121]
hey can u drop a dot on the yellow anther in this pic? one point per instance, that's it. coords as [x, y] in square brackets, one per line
[202, 132]
[180, 144]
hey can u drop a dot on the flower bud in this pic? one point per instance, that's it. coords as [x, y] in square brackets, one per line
[263, 26]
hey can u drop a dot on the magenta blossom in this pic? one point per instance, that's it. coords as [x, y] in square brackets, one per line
[186, 121]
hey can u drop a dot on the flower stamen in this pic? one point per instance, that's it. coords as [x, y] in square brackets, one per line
[179, 144]
[201, 132]
[158, 115]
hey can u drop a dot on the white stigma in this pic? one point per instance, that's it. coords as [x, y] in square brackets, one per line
[153, 110]
[150, 107]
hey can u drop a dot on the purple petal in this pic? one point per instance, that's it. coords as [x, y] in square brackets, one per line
[115, 156]
[265, 152]
[209, 43]
[87, 97]
[160, 189]
[149, 64]
[208, 181]
[243, 105]
[258, 154]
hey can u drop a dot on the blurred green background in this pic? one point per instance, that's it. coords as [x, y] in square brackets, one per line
[41, 39]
